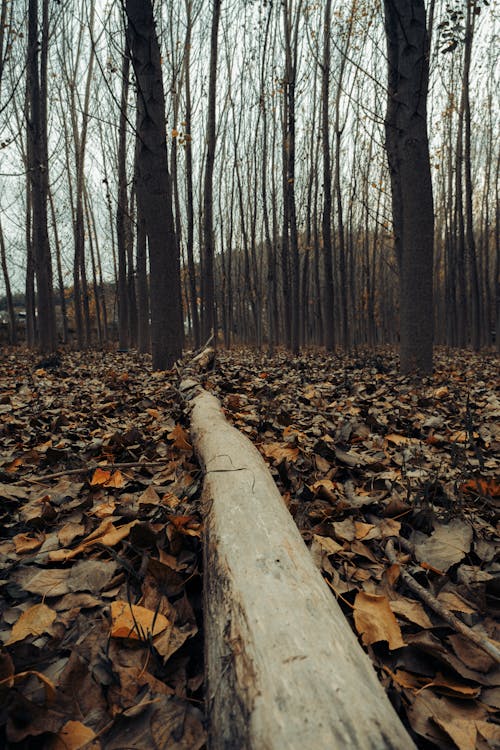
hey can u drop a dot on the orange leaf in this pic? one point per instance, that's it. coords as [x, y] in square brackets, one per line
[133, 621]
[100, 477]
[14, 465]
[478, 486]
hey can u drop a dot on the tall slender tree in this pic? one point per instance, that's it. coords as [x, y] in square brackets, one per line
[154, 190]
[411, 186]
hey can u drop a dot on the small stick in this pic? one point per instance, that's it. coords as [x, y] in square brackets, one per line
[481, 641]
[74, 472]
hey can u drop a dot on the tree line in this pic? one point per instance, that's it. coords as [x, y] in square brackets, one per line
[283, 173]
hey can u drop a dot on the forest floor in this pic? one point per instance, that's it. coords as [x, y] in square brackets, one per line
[391, 482]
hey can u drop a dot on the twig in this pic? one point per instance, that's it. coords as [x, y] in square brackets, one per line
[83, 469]
[481, 641]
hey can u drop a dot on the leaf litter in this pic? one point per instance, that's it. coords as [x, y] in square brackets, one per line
[100, 565]
[100, 579]
[369, 461]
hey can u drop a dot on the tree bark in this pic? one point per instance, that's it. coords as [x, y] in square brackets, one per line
[408, 155]
[8, 292]
[154, 190]
[193, 294]
[122, 210]
[38, 168]
[209, 310]
[328, 323]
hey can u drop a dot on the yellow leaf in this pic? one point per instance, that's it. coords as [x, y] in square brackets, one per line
[35, 621]
[175, 133]
[133, 621]
[375, 621]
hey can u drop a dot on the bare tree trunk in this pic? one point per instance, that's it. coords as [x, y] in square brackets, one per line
[154, 189]
[60, 280]
[37, 126]
[291, 26]
[329, 329]
[122, 209]
[475, 318]
[189, 183]
[408, 153]
[8, 291]
[210, 317]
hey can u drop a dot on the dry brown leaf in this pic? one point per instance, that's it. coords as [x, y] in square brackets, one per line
[412, 611]
[327, 545]
[453, 688]
[280, 452]
[68, 532]
[345, 530]
[116, 480]
[363, 529]
[375, 620]
[463, 732]
[73, 736]
[398, 439]
[27, 543]
[105, 509]
[35, 621]
[454, 602]
[136, 622]
[106, 534]
[149, 497]
[179, 437]
[408, 680]
[448, 545]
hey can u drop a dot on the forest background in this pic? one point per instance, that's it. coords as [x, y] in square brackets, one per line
[281, 191]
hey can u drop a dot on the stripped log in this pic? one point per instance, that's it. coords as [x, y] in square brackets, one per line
[284, 670]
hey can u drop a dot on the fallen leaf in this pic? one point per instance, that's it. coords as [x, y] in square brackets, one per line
[280, 452]
[136, 622]
[179, 437]
[35, 621]
[412, 611]
[375, 620]
[25, 543]
[86, 575]
[482, 487]
[448, 544]
[100, 477]
[73, 736]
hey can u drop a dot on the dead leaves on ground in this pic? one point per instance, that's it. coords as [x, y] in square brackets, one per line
[100, 566]
[363, 454]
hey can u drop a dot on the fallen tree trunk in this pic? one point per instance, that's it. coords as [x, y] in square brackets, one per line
[284, 669]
